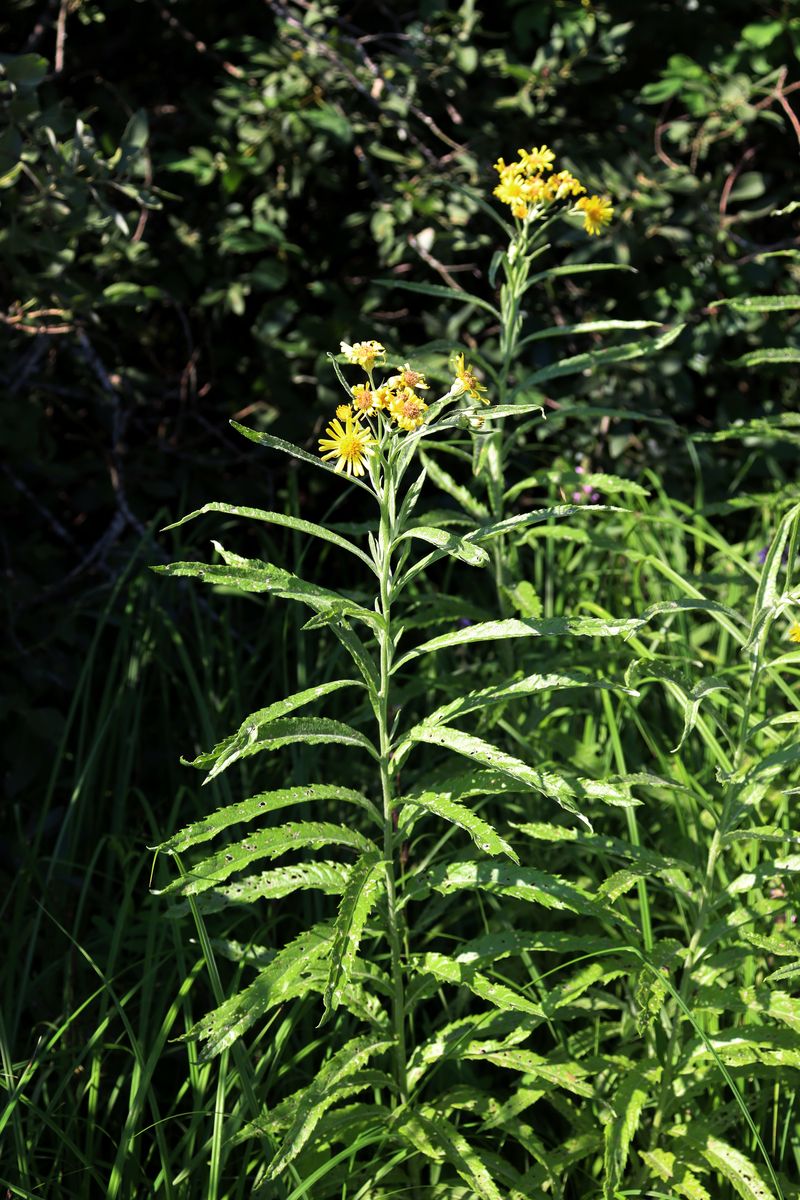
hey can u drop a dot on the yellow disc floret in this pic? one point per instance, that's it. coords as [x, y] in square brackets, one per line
[407, 409]
[597, 212]
[350, 444]
[364, 399]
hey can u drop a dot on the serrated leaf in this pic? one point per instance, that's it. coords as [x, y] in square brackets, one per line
[279, 981]
[286, 731]
[275, 443]
[667, 1167]
[484, 835]
[591, 359]
[327, 877]
[628, 1103]
[448, 543]
[265, 843]
[254, 730]
[321, 1093]
[359, 896]
[524, 883]
[273, 518]
[569, 1075]
[252, 575]
[743, 1175]
[434, 1136]
[257, 806]
[464, 974]
[445, 482]
[490, 631]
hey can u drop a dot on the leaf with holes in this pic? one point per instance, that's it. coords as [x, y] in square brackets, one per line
[360, 894]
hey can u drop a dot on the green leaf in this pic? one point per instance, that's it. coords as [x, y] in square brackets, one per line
[321, 1093]
[327, 877]
[489, 631]
[275, 443]
[437, 289]
[258, 514]
[279, 981]
[462, 495]
[265, 843]
[447, 543]
[427, 1131]
[576, 269]
[503, 692]
[569, 1075]
[664, 1165]
[546, 782]
[584, 327]
[256, 729]
[628, 1103]
[464, 974]
[743, 1175]
[284, 732]
[592, 359]
[361, 893]
[770, 357]
[484, 835]
[258, 806]
[760, 303]
[253, 575]
[524, 883]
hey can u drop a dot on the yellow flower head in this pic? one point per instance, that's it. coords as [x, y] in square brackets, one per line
[363, 354]
[408, 378]
[343, 411]
[540, 158]
[466, 382]
[364, 399]
[350, 444]
[597, 212]
[562, 184]
[794, 632]
[407, 409]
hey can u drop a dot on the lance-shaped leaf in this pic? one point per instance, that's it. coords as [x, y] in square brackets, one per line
[768, 357]
[464, 974]
[273, 518]
[248, 737]
[446, 483]
[275, 443]
[279, 981]
[502, 693]
[667, 1167]
[253, 575]
[524, 883]
[447, 543]
[427, 1131]
[521, 521]
[265, 843]
[571, 479]
[321, 1093]
[759, 303]
[284, 732]
[569, 1075]
[628, 1103]
[484, 835]
[689, 696]
[359, 896]
[591, 359]
[747, 1179]
[491, 631]
[552, 331]
[576, 269]
[440, 291]
[258, 806]
[327, 877]
[490, 947]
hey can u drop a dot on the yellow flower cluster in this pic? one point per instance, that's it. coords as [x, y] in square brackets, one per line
[529, 186]
[396, 402]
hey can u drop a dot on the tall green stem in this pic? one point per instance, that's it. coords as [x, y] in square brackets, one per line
[384, 563]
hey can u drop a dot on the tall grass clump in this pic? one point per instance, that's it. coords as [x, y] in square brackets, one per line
[522, 924]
